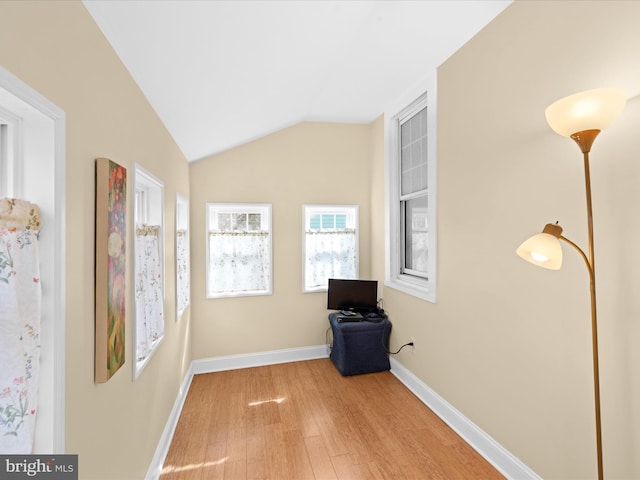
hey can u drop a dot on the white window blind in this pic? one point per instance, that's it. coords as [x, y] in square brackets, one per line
[413, 193]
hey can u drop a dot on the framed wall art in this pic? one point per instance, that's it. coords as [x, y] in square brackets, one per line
[111, 265]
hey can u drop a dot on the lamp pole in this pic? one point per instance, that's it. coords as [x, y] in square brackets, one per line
[594, 340]
[584, 140]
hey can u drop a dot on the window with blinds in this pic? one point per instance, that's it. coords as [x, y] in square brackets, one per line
[411, 235]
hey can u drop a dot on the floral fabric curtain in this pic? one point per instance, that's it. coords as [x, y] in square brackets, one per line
[20, 308]
[182, 270]
[148, 291]
[239, 261]
[329, 254]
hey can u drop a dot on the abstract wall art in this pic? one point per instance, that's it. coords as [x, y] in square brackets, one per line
[110, 259]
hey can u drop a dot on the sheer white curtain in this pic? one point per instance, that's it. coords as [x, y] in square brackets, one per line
[329, 254]
[182, 270]
[239, 261]
[20, 305]
[148, 291]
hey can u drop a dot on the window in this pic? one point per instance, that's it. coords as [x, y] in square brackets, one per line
[183, 281]
[238, 249]
[330, 244]
[411, 162]
[149, 266]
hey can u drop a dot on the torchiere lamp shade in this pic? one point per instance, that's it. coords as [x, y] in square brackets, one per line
[589, 110]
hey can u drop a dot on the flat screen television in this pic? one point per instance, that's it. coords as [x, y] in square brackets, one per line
[357, 295]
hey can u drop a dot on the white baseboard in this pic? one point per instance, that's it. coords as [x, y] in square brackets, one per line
[233, 362]
[506, 463]
[493, 452]
[167, 434]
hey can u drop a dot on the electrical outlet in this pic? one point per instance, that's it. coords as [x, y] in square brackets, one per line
[413, 347]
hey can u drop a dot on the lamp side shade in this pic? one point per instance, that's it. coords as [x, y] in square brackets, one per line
[543, 250]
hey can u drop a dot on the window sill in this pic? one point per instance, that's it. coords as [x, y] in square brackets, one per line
[140, 364]
[255, 293]
[315, 290]
[416, 287]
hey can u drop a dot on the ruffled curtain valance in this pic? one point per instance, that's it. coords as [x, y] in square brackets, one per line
[18, 214]
[20, 308]
[147, 230]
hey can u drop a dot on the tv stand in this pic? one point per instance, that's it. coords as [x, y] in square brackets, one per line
[360, 346]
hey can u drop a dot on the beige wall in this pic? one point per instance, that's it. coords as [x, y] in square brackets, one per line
[56, 48]
[309, 163]
[506, 343]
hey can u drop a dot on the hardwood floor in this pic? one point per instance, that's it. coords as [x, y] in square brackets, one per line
[304, 420]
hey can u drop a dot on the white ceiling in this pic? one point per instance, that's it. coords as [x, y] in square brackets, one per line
[222, 73]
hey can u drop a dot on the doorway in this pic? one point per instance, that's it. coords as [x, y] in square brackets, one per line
[37, 174]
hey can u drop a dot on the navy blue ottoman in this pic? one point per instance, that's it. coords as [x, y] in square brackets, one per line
[360, 347]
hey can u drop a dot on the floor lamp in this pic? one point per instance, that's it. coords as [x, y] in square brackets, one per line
[581, 117]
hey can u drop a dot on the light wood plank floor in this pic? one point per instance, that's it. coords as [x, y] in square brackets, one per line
[304, 420]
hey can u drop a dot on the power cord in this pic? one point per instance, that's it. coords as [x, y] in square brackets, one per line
[410, 344]
[329, 339]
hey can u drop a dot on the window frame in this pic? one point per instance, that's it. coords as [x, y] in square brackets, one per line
[424, 287]
[266, 223]
[353, 219]
[152, 211]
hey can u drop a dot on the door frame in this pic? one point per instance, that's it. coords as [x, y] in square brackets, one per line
[13, 85]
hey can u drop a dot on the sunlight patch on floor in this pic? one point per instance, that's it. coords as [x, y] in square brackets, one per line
[192, 466]
[273, 400]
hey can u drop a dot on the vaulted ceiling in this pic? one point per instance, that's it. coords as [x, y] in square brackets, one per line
[222, 73]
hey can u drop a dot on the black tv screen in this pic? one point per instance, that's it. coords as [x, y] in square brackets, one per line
[356, 295]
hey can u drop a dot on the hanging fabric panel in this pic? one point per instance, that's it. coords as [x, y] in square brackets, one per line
[239, 261]
[149, 297]
[20, 305]
[182, 271]
[329, 254]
